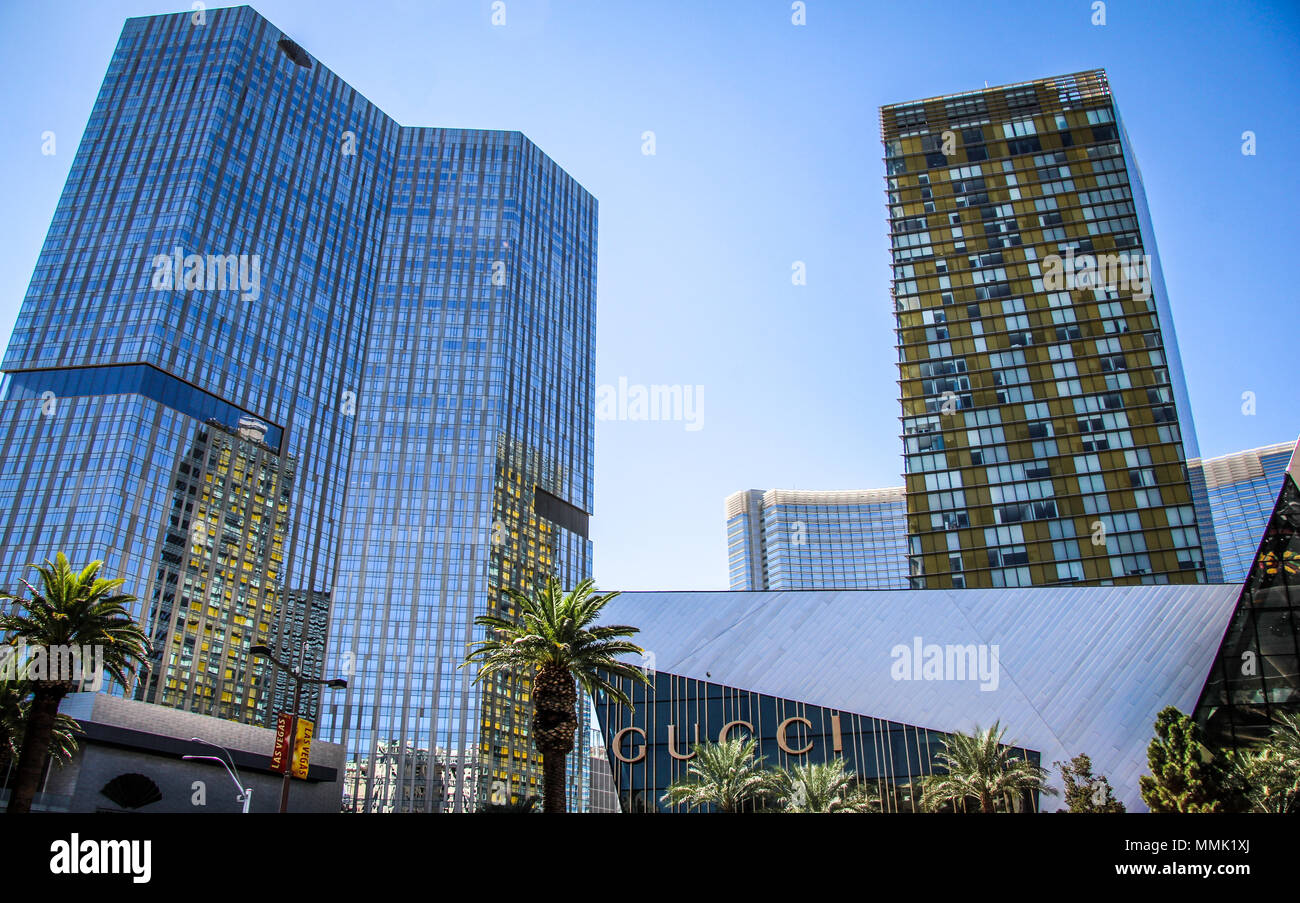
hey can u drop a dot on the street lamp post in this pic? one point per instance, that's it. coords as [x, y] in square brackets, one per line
[336, 683]
[245, 795]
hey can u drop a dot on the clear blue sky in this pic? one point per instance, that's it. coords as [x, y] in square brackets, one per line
[768, 152]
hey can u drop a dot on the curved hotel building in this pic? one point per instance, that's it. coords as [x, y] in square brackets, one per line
[812, 539]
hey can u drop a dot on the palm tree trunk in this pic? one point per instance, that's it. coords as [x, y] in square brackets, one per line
[36, 747]
[554, 723]
[986, 802]
[555, 782]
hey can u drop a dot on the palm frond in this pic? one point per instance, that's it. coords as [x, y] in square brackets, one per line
[727, 776]
[79, 608]
[982, 771]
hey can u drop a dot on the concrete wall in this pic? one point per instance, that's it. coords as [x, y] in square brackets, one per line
[124, 737]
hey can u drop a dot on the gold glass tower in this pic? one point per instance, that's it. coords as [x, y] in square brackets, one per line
[1045, 420]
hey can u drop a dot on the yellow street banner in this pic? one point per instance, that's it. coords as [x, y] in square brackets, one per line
[302, 747]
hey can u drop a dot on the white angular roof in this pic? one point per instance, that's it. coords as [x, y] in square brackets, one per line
[1082, 669]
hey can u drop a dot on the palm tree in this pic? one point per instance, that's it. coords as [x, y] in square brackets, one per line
[726, 776]
[1267, 778]
[70, 609]
[15, 706]
[980, 767]
[1285, 738]
[553, 641]
[1263, 780]
[825, 787]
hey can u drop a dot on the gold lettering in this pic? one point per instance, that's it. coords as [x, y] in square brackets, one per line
[780, 736]
[672, 743]
[726, 729]
[618, 746]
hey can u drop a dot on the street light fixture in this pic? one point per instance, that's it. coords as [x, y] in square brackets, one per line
[245, 794]
[336, 683]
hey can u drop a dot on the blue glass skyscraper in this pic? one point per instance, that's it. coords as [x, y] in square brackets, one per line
[1240, 490]
[472, 458]
[410, 315]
